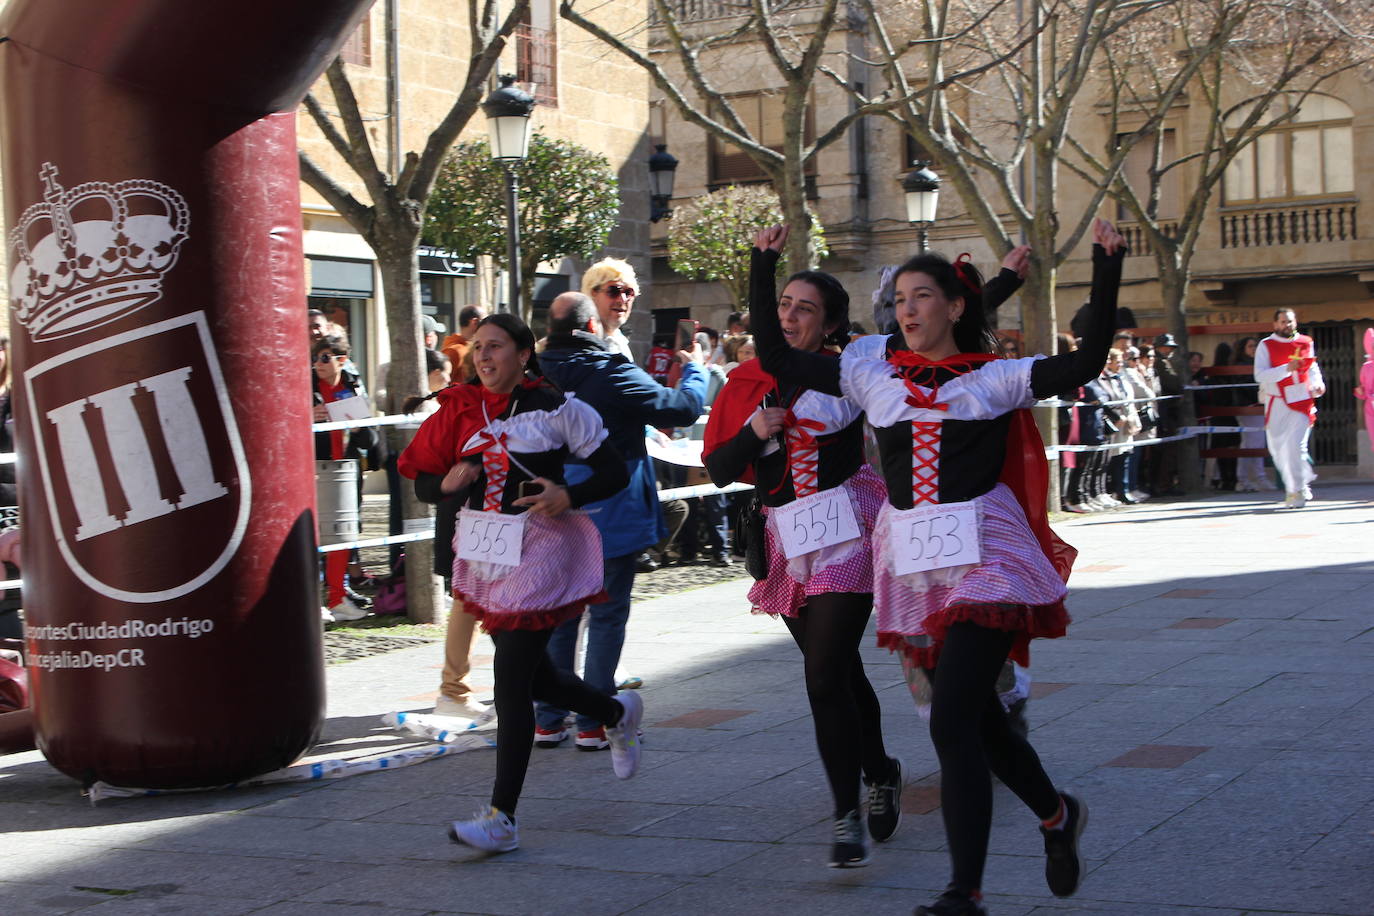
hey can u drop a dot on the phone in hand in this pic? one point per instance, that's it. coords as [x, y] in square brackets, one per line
[687, 333]
[530, 488]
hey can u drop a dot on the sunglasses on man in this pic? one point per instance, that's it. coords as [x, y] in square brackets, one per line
[327, 357]
[615, 292]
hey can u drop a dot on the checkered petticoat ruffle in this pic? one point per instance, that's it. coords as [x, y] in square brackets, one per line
[1013, 587]
[560, 573]
[781, 593]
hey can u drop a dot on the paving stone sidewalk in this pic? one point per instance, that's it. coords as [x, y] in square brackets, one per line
[1212, 703]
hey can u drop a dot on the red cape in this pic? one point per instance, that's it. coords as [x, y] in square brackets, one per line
[743, 392]
[437, 445]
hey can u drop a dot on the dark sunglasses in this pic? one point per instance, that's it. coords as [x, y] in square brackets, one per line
[614, 291]
[327, 357]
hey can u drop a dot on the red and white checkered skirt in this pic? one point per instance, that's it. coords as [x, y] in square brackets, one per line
[560, 573]
[851, 570]
[1012, 587]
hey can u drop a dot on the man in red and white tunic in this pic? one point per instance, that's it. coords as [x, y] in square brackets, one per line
[1290, 381]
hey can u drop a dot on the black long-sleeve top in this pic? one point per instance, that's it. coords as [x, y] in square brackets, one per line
[973, 431]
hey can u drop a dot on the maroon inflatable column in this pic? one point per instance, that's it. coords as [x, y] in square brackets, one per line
[161, 381]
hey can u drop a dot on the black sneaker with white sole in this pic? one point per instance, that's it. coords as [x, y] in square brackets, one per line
[1063, 864]
[885, 804]
[849, 849]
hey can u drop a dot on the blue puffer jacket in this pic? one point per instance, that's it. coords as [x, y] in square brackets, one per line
[628, 399]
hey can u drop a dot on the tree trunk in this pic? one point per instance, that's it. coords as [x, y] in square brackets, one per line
[1174, 274]
[396, 259]
[1039, 320]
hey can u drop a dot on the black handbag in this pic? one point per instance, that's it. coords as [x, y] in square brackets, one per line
[754, 540]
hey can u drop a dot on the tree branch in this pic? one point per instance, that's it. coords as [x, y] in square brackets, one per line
[359, 215]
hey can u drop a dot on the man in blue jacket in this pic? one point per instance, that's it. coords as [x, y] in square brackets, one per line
[578, 360]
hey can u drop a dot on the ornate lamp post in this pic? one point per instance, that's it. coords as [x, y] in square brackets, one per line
[922, 188]
[508, 125]
[662, 170]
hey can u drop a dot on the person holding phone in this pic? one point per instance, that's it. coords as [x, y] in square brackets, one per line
[966, 570]
[524, 562]
[803, 450]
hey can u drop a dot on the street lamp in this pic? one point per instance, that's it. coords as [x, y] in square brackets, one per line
[662, 169]
[922, 188]
[508, 125]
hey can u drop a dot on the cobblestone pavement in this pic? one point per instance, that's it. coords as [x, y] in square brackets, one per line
[1211, 703]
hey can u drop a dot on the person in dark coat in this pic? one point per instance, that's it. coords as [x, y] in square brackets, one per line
[579, 361]
[1170, 383]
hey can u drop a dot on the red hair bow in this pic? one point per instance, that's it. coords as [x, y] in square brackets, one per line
[961, 267]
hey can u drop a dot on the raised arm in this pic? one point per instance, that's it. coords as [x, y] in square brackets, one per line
[1070, 370]
[784, 362]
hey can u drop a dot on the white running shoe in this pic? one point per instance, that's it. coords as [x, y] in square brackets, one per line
[347, 610]
[466, 708]
[1306, 493]
[325, 616]
[490, 832]
[624, 735]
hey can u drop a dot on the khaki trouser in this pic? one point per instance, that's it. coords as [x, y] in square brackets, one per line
[462, 633]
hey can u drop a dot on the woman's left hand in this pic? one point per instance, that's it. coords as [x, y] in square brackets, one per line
[1018, 260]
[553, 500]
[1105, 234]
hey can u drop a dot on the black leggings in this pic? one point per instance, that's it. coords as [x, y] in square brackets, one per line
[969, 728]
[524, 674]
[844, 707]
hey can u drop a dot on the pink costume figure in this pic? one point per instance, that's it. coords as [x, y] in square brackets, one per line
[1365, 390]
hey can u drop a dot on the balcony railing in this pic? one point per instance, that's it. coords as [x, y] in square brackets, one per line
[1288, 226]
[536, 52]
[702, 10]
[1134, 234]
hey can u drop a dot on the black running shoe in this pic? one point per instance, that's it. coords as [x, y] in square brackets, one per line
[1063, 864]
[849, 849]
[885, 804]
[953, 903]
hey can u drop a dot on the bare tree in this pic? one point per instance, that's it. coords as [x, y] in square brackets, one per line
[1270, 60]
[391, 224]
[991, 100]
[1274, 56]
[793, 40]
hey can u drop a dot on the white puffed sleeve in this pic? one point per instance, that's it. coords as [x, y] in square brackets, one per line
[579, 426]
[999, 387]
[870, 381]
[867, 379]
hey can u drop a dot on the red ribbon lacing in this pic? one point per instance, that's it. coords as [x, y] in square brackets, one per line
[803, 454]
[496, 465]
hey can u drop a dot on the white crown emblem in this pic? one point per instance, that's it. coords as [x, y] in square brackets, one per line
[102, 252]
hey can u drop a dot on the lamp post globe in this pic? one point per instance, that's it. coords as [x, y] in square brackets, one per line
[508, 120]
[508, 128]
[922, 187]
[662, 171]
